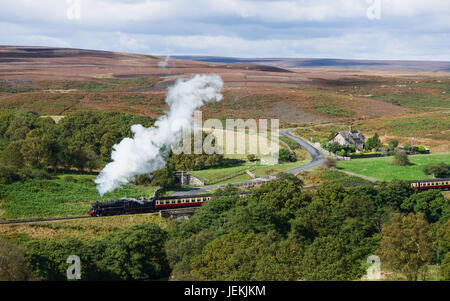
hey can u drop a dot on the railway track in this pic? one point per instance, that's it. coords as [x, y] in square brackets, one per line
[34, 221]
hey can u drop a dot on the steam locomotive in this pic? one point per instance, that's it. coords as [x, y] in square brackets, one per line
[142, 205]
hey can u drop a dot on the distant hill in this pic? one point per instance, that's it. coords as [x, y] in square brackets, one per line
[384, 65]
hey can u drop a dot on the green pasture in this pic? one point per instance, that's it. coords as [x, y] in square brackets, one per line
[382, 169]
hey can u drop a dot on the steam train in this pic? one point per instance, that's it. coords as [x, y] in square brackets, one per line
[142, 205]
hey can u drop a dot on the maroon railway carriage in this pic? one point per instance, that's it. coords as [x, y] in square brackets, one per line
[441, 184]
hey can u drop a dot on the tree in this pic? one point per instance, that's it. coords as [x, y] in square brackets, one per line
[286, 156]
[106, 143]
[373, 142]
[329, 258]
[78, 159]
[213, 214]
[440, 170]
[392, 194]
[135, 253]
[443, 241]
[401, 159]
[214, 263]
[164, 177]
[19, 126]
[13, 266]
[36, 149]
[12, 155]
[93, 160]
[248, 257]
[406, 245]
[8, 175]
[392, 144]
[431, 202]
[333, 147]
[444, 271]
[181, 251]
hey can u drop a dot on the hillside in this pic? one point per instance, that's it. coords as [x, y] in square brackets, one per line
[57, 81]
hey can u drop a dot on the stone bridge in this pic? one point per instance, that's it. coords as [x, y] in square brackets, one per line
[181, 213]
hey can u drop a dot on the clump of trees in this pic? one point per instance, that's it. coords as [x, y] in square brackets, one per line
[440, 170]
[81, 140]
[278, 232]
[281, 232]
[33, 147]
[407, 245]
[135, 253]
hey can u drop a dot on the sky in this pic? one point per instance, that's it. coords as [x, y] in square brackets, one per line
[348, 29]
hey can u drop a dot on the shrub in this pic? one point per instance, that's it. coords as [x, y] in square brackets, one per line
[251, 157]
[286, 156]
[12, 264]
[8, 175]
[329, 163]
[33, 173]
[401, 159]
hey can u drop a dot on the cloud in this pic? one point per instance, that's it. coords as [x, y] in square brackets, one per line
[311, 28]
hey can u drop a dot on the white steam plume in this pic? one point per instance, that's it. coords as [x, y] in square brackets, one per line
[144, 153]
[163, 64]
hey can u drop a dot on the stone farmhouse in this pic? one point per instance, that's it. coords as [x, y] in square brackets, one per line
[350, 137]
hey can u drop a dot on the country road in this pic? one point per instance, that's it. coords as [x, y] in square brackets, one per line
[317, 158]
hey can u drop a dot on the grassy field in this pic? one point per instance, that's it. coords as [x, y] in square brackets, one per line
[214, 175]
[321, 175]
[62, 197]
[382, 169]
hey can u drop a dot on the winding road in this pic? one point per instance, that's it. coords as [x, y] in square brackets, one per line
[317, 158]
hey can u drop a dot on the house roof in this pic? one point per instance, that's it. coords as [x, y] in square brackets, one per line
[353, 137]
